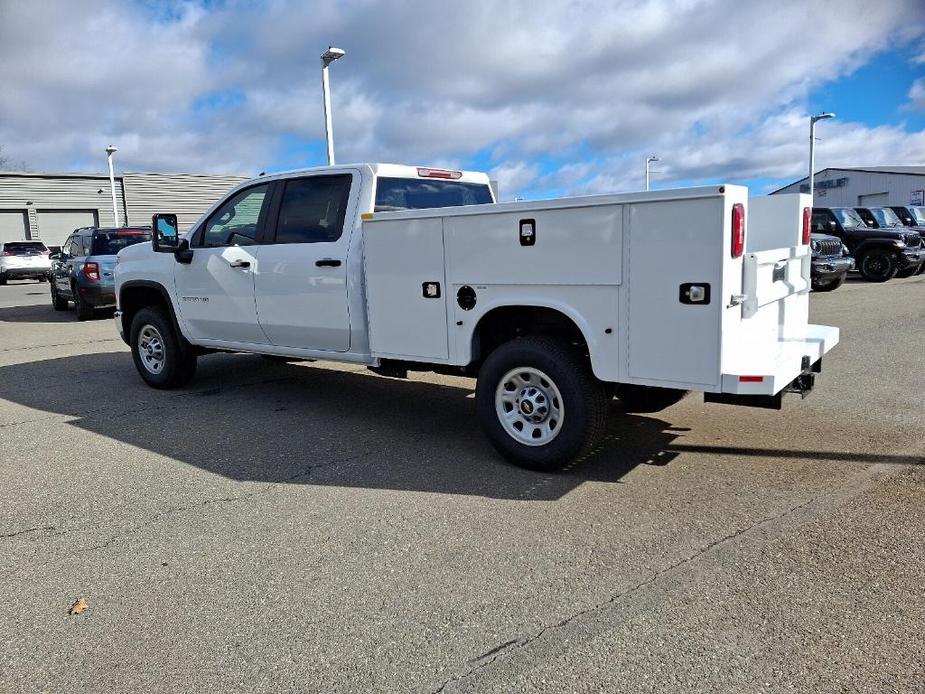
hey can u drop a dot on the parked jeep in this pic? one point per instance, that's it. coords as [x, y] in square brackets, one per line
[912, 217]
[879, 253]
[831, 262]
[886, 218]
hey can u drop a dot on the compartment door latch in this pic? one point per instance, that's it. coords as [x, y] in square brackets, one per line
[695, 293]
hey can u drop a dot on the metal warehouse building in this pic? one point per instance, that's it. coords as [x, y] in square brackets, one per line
[873, 186]
[50, 206]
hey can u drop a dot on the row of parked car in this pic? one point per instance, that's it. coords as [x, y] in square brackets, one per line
[80, 271]
[879, 242]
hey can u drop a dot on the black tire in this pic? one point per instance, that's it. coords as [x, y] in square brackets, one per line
[921, 269]
[179, 358]
[908, 272]
[829, 286]
[83, 309]
[584, 401]
[878, 265]
[647, 399]
[57, 301]
[43, 279]
[2, 279]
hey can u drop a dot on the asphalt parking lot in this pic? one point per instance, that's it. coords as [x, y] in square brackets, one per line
[317, 528]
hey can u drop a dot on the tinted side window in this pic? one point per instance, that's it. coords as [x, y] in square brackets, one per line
[820, 222]
[313, 209]
[235, 222]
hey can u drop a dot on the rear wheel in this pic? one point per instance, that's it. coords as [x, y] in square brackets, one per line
[539, 404]
[829, 285]
[84, 310]
[57, 301]
[162, 357]
[647, 399]
[878, 265]
[909, 271]
[2, 279]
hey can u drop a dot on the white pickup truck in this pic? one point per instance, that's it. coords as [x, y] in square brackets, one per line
[556, 306]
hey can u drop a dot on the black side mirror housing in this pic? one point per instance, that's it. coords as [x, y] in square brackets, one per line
[166, 233]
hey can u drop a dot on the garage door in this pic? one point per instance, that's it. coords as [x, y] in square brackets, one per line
[13, 225]
[874, 200]
[55, 225]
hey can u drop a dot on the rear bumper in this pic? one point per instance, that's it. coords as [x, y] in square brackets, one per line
[772, 372]
[25, 273]
[823, 268]
[98, 295]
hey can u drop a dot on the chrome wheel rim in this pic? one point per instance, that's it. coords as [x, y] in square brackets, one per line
[529, 406]
[151, 349]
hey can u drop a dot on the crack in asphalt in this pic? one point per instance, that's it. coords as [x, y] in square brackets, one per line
[517, 644]
[61, 344]
[161, 515]
[40, 529]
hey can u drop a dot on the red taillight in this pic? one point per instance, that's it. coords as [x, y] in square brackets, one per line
[439, 173]
[92, 271]
[738, 230]
[807, 217]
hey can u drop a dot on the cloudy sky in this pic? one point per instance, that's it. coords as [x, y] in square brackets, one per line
[551, 96]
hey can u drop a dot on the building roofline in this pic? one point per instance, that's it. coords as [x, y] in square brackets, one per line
[105, 176]
[860, 169]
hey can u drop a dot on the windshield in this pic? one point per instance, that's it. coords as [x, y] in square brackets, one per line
[111, 242]
[24, 248]
[918, 214]
[885, 217]
[848, 218]
[415, 194]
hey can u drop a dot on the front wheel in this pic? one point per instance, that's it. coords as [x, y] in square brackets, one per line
[878, 266]
[161, 356]
[539, 404]
[909, 272]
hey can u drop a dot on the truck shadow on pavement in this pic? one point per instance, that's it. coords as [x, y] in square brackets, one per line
[44, 313]
[250, 420]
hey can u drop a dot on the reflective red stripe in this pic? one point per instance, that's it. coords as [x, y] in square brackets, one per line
[751, 379]
[807, 216]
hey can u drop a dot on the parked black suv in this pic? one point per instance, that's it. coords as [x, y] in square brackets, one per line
[830, 264]
[886, 218]
[879, 253]
[912, 217]
[82, 271]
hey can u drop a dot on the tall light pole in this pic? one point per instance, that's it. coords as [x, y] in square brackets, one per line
[649, 160]
[328, 57]
[112, 149]
[812, 153]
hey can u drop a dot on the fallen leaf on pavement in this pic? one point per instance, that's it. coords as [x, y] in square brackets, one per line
[78, 607]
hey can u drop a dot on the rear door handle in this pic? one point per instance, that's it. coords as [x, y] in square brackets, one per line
[239, 263]
[327, 262]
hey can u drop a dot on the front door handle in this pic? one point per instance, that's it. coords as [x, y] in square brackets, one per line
[239, 263]
[327, 262]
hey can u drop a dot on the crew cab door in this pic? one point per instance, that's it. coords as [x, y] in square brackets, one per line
[216, 289]
[301, 284]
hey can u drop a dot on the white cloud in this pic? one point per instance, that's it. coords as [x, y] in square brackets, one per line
[917, 95]
[590, 86]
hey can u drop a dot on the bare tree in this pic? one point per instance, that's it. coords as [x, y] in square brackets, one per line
[8, 164]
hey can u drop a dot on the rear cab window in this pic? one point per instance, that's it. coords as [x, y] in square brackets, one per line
[111, 242]
[419, 194]
[24, 248]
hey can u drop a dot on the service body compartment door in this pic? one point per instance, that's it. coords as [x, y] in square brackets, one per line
[406, 289]
[670, 244]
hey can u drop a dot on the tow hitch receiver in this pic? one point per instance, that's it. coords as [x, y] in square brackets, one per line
[803, 384]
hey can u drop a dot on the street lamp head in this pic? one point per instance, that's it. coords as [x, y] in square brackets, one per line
[111, 149]
[823, 116]
[652, 157]
[332, 54]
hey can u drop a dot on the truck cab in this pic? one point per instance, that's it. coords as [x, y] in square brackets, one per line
[880, 253]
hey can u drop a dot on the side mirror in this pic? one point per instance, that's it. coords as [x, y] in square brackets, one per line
[166, 236]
